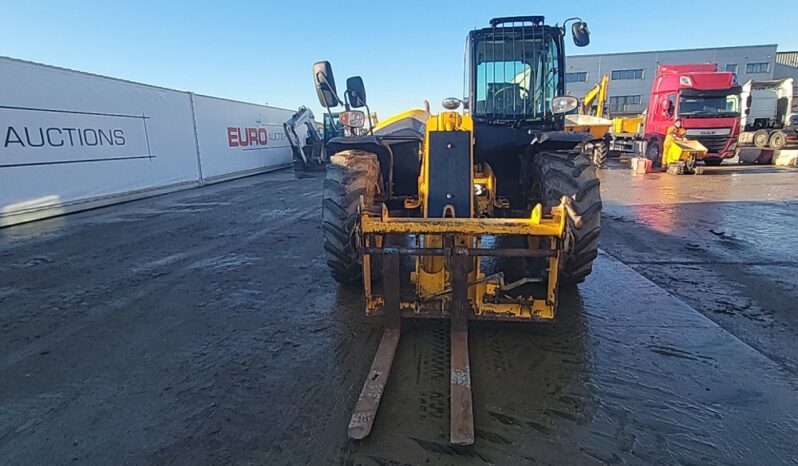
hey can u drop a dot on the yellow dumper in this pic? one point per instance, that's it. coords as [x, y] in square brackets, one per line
[597, 127]
[680, 155]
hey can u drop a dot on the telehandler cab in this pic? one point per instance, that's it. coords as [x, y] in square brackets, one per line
[410, 210]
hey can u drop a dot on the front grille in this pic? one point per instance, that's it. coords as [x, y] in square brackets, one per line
[714, 144]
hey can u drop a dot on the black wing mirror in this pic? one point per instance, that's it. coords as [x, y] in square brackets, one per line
[356, 92]
[325, 84]
[581, 33]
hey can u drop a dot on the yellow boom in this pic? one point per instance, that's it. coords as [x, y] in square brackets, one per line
[597, 95]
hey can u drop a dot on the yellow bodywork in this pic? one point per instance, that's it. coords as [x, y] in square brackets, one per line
[596, 126]
[675, 150]
[431, 276]
[415, 113]
[627, 124]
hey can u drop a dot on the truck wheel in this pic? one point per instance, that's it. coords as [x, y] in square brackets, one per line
[777, 140]
[654, 153]
[559, 174]
[600, 153]
[713, 162]
[761, 138]
[350, 174]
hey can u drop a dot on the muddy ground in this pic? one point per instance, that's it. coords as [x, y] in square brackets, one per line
[201, 327]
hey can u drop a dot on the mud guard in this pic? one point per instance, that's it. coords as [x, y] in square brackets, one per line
[560, 140]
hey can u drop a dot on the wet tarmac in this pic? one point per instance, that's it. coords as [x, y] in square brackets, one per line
[724, 242]
[202, 327]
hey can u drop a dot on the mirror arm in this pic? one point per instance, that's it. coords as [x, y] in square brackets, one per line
[327, 83]
[324, 80]
[574, 18]
[329, 112]
[346, 101]
[368, 115]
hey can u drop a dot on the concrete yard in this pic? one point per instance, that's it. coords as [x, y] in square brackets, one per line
[202, 327]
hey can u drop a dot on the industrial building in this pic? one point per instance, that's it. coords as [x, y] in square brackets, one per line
[631, 74]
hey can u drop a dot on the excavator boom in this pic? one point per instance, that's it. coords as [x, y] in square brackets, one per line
[597, 95]
[308, 153]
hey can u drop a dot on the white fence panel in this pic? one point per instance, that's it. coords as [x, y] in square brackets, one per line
[238, 137]
[69, 138]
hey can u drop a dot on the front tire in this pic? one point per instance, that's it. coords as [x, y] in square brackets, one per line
[559, 174]
[350, 174]
[654, 153]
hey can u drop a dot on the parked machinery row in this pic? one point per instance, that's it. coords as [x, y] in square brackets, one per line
[752, 121]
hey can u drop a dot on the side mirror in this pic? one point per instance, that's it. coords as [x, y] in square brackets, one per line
[581, 33]
[325, 84]
[356, 92]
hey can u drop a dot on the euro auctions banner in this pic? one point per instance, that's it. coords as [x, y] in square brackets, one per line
[68, 137]
[42, 137]
[236, 137]
[72, 140]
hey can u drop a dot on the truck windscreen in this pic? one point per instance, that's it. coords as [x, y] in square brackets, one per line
[728, 105]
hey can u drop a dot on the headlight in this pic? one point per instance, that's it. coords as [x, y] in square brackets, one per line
[353, 119]
[479, 189]
[563, 104]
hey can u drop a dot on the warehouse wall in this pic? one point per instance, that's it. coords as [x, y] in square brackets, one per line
[71, 141]
[787, 67]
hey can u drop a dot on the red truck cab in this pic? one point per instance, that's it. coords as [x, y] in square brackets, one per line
[707, 101]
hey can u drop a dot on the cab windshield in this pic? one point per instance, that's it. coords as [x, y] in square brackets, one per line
[709, 105]
[516, 77]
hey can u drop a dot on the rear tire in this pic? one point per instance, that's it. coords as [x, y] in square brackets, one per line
[713, 162]
[600, 154]
[761, 139]
[559, 174]
[350, 174]
[777, 140]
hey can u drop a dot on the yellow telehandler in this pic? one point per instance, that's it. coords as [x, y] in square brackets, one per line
[411, 210]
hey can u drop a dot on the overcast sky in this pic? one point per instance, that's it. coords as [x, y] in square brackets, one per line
[406, 51]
